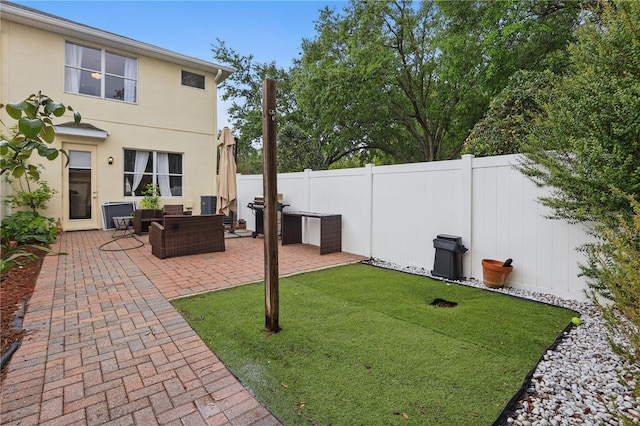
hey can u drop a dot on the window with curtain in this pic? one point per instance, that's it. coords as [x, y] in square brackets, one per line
[100, 73]
[163, 169]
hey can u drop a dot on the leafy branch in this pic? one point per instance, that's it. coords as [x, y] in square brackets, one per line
[35, 132]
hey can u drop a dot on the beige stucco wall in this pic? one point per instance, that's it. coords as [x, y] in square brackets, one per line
[167, 116]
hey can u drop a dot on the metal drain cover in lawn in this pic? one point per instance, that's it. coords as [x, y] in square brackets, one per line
[441, 303]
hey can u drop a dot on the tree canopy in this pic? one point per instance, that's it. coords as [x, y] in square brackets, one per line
[397, 81]
[511, 114]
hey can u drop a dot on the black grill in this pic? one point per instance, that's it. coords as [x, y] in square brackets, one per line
[258, 210]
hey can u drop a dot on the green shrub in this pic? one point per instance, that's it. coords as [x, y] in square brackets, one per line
[614, 269]
[35, 199]
[586, 152]
[13, 255]
[29, 227]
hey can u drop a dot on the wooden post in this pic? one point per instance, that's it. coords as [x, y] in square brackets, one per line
[269, 180]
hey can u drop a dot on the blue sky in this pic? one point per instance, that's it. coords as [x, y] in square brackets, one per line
[268, 30]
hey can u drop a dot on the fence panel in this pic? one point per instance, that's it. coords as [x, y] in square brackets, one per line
[412, 204]
[394, 212]
[510, 222]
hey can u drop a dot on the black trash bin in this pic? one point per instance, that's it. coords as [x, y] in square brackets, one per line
[448, 261]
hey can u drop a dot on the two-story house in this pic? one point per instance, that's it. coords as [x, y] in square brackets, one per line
[149, 115]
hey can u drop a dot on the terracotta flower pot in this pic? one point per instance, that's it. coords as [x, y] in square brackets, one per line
[494, 275]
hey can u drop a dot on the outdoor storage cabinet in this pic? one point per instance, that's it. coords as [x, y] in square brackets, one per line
[448, 259]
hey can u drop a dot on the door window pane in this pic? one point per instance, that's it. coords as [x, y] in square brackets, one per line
[80, 159]
[79, 185]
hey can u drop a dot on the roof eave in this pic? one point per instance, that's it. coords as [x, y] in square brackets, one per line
[76, 131]
[32, 18]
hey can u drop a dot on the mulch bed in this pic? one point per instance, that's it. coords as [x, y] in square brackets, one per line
[16, 287]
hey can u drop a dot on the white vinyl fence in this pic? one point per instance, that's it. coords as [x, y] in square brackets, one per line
[394, 213]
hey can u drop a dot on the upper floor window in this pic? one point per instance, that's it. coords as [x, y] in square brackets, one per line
[192, 79]
[97, 72]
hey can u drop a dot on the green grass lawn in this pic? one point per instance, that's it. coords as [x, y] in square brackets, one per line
[362, 345]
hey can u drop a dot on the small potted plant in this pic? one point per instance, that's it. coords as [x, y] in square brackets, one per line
[150, 197]
[149, 210]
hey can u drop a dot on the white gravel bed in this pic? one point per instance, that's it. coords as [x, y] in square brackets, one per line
[580, 382]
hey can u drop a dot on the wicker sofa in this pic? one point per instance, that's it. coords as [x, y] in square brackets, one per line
[182, 235]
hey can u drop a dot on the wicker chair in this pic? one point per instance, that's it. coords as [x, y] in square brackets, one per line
[182, 235]
[174, 209]
[142, 218]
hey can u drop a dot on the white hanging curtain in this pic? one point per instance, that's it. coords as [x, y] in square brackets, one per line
[139, 167]
[162, 162]
[130, 78]
[72, 72]
[127, 186]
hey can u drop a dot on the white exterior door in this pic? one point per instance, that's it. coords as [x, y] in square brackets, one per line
[80, 191]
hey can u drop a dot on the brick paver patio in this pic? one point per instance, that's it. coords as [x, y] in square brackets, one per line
[105, 346]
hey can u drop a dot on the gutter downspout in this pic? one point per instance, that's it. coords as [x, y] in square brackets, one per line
[215, 80]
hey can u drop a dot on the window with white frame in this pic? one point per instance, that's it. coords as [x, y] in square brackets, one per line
[152, 167]
[100, 73]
